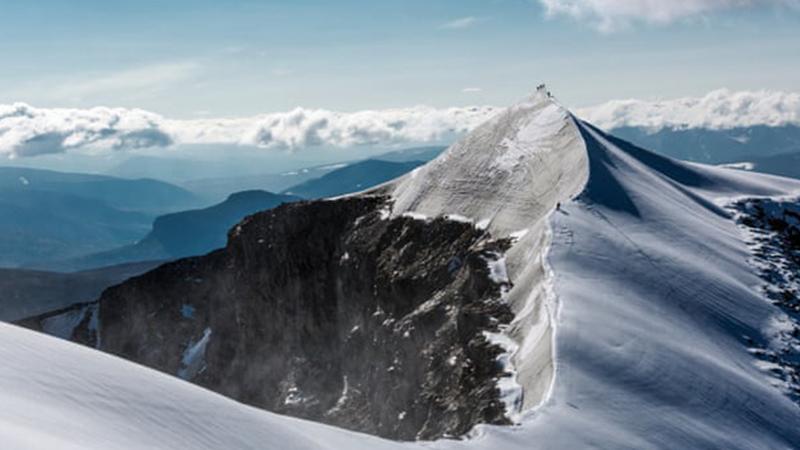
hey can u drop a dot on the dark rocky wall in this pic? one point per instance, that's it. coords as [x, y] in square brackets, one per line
[329, 311]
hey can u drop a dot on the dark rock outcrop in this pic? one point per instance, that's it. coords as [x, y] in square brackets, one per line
[330, 311]
[773, 235]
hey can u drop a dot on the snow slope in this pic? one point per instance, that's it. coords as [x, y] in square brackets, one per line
[59, 395]
[657, 303]
[656, 300]
[635, 303]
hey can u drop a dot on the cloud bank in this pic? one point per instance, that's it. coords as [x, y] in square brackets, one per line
[609, 15]
[301, 128]
[29, 131]
[721, 109]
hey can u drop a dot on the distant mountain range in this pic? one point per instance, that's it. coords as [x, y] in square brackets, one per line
[50, 215]
[37, 226]
[144, 194]
[785, 165]
[181, 234]
[26, 293]
[196, 232]
[716, 146]
[81, 230]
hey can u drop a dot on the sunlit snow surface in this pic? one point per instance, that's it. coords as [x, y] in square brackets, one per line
[657, 296]
[638, 295]
[56, 395]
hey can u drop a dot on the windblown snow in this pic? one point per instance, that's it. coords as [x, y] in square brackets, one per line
[636, 304]
[192, 361]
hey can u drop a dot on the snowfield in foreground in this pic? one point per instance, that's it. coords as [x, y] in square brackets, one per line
[637, 310]
[59, 395]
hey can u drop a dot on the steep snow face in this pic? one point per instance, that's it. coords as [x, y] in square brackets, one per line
[510, 171]
[508, 175]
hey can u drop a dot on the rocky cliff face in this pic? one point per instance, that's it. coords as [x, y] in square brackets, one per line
[330, 311]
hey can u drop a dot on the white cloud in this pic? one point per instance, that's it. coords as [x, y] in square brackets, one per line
[28, 131]
[471, 89]
[609, 15]
[316, 127]
[462, 22]
[721, 109]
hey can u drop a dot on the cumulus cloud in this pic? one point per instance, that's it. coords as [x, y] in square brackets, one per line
[315, 127]
[609, 15]
[29, 131]
[721, 109]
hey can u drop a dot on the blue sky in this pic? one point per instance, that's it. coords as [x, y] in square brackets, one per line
[204, 58]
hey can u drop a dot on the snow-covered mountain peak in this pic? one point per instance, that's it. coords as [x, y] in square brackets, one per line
[508, 173]
[508, 176]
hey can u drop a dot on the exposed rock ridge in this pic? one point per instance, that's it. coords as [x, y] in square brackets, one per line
[329, 311]
[772, 227]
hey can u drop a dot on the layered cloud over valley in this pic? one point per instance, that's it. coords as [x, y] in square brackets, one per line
[318, 127]
[720, 109]
[29, 131]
